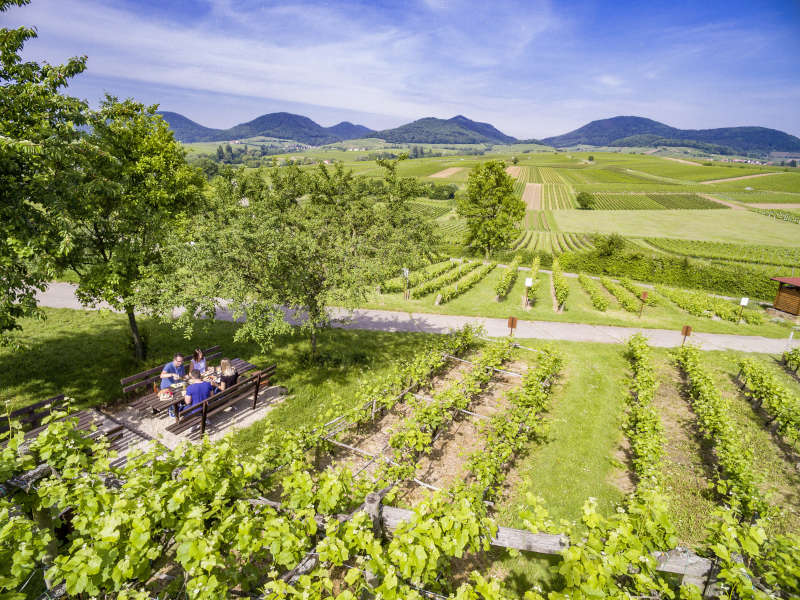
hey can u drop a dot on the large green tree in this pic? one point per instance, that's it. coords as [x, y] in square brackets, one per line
[282, 246]
[490, 207]
[135, 187]
[39, 141]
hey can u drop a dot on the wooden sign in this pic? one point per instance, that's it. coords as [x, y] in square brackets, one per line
[644, 295]
[686, 331]
[512, 325]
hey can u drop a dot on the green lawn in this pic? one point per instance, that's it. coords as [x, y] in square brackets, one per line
[743, 227]
[83, 354]
[480, 302]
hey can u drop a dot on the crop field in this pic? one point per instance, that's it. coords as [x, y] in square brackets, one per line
[431, 209]
[736, 226]
[557, 196]
[764, 197]
[769, 255]
[654, 201]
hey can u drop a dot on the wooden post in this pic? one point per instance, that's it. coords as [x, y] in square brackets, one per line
[255, 393]
[203, 419]
[644, 299]
[685, 332]
[512, 325]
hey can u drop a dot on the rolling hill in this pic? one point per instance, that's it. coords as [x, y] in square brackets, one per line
[458, 130]
[280, 125]
[628, 131]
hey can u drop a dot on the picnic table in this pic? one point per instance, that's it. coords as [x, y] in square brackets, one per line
[153, 404]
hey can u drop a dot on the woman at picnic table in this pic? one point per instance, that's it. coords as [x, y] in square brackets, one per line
[197, 391]
[198, 361]
[228, 374]
[173, 371]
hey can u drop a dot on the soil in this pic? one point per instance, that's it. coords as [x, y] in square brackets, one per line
[622, 477]
[446, 173]
[718, 201]
[532, 197]
[514, 171]
[739, 178]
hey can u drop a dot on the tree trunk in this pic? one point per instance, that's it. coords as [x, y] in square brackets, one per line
[314, 343]
[138, 345]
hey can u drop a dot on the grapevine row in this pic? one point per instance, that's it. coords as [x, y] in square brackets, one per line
[438, 283]
[465, 283]
[792, 359]
[599, 300]
[507, 279]
[532, 291]
[626, 300]
[737, 481]
[776, 400]
[398, 284]
[637, 291]
[559, 284]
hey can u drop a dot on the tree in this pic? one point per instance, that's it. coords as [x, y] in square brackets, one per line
[585, 200]
[220, 153]
[591, 158]
[490, 207]
[609, 245]
[38, 144]
[135, 188]
[514, 160]
[282, 246]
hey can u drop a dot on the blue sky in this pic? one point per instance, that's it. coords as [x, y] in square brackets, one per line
[532, 69]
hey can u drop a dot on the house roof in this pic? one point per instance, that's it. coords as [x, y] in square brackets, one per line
[790, 280]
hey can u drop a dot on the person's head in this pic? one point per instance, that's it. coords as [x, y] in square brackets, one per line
[226, 367]
[197, 354]
[178, 359]
[195, 374]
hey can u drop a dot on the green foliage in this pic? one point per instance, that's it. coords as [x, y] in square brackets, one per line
[792, 359]
[490, 207]
[39, 148]
[449, 276]
[599, 300]
[415, 278]
[623, 296]
[271, 240]
[737, 481]
[609, 245]
[533, 290]
[466, 283]
[506, 281]
[782, 406]
[585, 200]
[559, 284]
[768, 255]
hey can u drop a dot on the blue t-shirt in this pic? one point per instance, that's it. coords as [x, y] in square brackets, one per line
[172, 369]
[199, 392]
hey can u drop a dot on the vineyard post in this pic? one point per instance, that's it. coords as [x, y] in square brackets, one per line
[405, 283]
[685, 332]
[644, 299]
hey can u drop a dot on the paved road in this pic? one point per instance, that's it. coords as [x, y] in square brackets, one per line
[62, 295]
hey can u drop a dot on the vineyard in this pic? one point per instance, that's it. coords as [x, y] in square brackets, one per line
[767, 255]
[654, 201]
[557, 196]
[313, 513]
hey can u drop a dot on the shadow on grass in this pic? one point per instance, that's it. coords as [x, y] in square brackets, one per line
[84, 354]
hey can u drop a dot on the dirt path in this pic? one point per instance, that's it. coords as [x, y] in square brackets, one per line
[718, 201]
[776, 206]
[739, 178]
[446, 173]
[515, 172]
[532, 196]
[683, 162]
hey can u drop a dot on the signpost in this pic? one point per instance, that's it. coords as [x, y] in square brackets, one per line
[644, 299]
[405, 290]
[742, 303]
[512, 325]
[685, 332]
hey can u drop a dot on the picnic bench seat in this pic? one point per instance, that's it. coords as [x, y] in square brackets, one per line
[151, 377]
[152, 404]
[32, 416]
[198, 414]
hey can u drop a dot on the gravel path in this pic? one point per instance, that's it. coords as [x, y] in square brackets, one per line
[62, 295]
[717, 200]
[740, 178]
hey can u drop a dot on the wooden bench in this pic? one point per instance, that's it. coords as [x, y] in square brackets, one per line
[148, 380]
[198, 414]
[31, 416]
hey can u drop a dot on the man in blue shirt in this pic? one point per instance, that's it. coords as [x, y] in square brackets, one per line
[172, 372]
[198, 390]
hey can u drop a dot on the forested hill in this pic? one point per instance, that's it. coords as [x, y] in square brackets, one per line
[281, 125]
[638, 131]
[458, 130]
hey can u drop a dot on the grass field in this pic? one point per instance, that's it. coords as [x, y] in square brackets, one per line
[741, 227]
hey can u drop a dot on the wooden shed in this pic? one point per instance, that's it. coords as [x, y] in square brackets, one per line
[788, 298]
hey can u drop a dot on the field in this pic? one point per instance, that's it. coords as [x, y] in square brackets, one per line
[768, 255]
[742, 227]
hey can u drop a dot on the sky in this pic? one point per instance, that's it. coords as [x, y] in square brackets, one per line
[532, 68]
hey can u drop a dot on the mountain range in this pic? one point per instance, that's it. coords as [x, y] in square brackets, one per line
[616, 131]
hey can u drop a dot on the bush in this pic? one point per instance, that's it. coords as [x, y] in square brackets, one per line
[585, 200]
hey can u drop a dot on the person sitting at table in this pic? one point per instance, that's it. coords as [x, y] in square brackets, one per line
[197, 391]
[198, 361]
[228, 374]
[173, 371]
